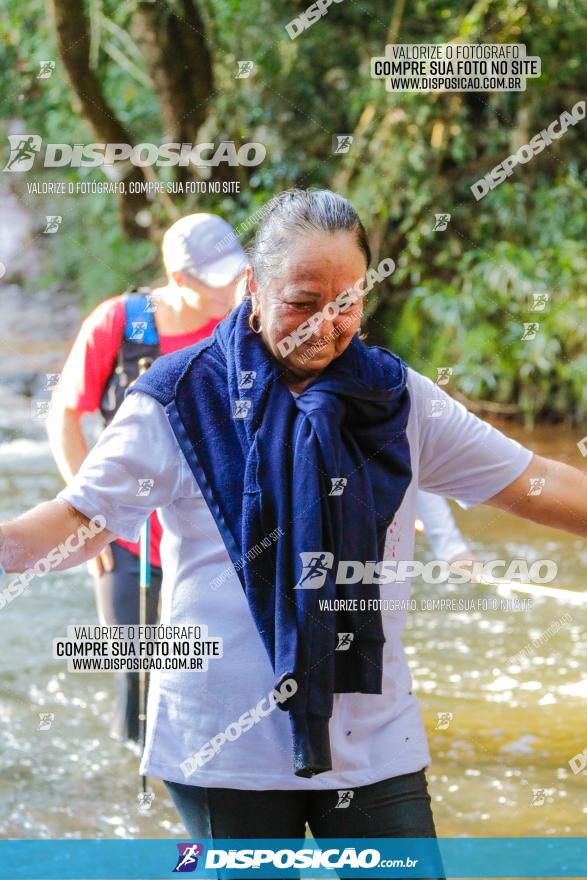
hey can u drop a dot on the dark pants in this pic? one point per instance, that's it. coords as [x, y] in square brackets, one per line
[117, 601]
[398, 807]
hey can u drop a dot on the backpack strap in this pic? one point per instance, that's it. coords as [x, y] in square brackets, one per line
[139, 320]
[139, 340]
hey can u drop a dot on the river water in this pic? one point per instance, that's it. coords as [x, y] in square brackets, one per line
[506, 732]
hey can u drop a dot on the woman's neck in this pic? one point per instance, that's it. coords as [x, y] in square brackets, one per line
[297, 387]
[297, 384]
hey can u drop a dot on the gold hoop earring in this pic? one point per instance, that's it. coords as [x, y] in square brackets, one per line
[252, 317]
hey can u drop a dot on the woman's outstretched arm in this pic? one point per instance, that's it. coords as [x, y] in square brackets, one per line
[137, 450]
[550, 493]
[52, 526]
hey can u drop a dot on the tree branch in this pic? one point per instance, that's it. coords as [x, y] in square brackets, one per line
[73, 42]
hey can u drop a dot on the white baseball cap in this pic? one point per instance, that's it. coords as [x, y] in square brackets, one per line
[205, 246]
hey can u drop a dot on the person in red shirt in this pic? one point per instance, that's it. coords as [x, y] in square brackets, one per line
[204, 262]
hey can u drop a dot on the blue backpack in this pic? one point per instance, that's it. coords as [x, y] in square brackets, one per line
[138, 350]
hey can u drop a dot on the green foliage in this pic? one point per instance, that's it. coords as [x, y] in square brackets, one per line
[475, 320]
[459, 297]
[96, 261]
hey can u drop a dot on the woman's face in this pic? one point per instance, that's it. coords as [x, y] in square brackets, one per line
[316, 267]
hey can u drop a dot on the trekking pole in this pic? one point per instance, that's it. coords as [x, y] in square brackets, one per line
[144, 584]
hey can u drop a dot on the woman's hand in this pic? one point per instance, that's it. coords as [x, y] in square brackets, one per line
[101, 564]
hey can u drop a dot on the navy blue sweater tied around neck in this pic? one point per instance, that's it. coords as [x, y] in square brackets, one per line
[270, 466]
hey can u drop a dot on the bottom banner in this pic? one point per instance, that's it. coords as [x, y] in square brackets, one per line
[304, 858]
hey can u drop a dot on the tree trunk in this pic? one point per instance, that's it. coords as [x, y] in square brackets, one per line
[173, 41]
[74, 49]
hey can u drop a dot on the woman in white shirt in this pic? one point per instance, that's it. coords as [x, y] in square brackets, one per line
[271, 737]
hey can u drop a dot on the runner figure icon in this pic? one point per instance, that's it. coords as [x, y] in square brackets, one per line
[316, 567]
[24, 150]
